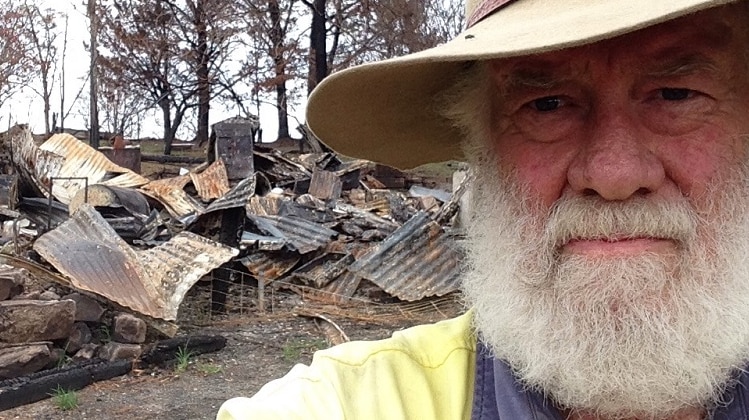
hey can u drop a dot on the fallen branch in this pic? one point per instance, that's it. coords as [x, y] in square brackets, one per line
[40, 385]
[332, 331]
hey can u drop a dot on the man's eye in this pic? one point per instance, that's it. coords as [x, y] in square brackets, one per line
[676, 94]
[547, 103]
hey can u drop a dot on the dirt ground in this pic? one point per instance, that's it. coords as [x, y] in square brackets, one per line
[259, 347]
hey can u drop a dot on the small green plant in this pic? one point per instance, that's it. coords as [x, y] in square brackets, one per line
[64, 360]
[291, 351]
[183, 358]
[209, 369]
[294, 349]
[318, 344]
[64, 399]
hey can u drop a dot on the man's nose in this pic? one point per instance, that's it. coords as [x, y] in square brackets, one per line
[614, 161]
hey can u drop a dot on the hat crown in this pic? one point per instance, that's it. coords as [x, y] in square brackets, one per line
[471, 6]
[479, 9]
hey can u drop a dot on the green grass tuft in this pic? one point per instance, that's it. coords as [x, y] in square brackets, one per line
[294, 349]
[64, 399]
[209, 369]
[183, 359]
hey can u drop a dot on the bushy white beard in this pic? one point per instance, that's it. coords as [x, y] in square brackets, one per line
[638, 336]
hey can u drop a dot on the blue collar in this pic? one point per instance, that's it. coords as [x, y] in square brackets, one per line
[497, 395]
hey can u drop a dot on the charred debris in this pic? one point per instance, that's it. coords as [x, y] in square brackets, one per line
[74, 216]
[95, 259]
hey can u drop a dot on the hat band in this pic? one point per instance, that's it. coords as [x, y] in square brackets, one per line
[484, 9]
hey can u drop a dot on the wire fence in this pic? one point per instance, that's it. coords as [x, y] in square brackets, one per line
[228, 293]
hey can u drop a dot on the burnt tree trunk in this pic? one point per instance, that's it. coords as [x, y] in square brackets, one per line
[93, 132]
[167, 116]
[204, 87]
[277, 38]
[318, 54]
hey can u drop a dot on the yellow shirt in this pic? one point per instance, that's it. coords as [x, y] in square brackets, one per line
[424, 372]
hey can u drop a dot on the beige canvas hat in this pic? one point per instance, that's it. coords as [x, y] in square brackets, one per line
[385, 111]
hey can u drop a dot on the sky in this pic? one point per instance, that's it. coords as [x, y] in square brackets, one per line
[27, 107]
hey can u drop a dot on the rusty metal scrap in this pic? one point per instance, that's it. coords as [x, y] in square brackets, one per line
[65, 165]
[343, 287]
[212, 183]
[303, 222]
[278, 168]
[366, 219]
[266, 205]
[318, 160]
[301, 235]
[35, 166]
[270, 266]
[451, 207]
[238, 196]
[309, 208]
[322, 270]
[170, 192]
[262, 242]
[79, 160]
[88, 251]
[100, 195]
[39, 211]
[416, 261]
[325, 185]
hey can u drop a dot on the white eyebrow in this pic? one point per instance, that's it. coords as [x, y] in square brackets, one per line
[683, 66]
[528, 79]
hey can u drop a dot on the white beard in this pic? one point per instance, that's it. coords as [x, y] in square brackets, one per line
[638, 336]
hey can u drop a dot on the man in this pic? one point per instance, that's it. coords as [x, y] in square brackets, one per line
[608, 272]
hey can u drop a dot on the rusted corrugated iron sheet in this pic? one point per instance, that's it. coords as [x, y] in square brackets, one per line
[266, 205]
[107, 196]
[170, 192]
[278, 168]
[379, 206]
[81, 160]
[179, 263]
[39, 211]
[302, 235]
[323, 269]
[343, 287]
[238, 196]
[325, 185]
[35, 166]
[308, 208]
[212, 183]
[365, 218]
[416, 261]
[153, 282]
[269, 266]
[262, 242]
[354, 165]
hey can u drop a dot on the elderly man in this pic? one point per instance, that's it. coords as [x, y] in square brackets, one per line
[608, 275]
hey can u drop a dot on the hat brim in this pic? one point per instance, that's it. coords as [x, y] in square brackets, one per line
[385, 111]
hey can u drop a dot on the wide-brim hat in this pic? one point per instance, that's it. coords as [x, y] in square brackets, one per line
[385, 111]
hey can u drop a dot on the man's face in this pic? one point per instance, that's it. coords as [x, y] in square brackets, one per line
[609, 241]
[657, 114]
